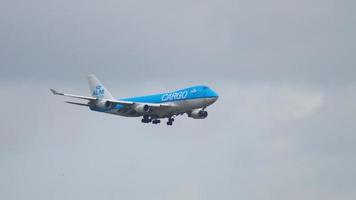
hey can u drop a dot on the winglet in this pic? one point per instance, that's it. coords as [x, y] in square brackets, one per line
[55, 92]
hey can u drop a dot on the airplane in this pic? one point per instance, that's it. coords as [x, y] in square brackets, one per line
[192, 101]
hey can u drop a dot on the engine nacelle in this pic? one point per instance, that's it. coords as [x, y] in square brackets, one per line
[198, 114]
[101, 104]
[142, 108]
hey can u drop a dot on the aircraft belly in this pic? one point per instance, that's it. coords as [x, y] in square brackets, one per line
[190, 104]
[181, 107]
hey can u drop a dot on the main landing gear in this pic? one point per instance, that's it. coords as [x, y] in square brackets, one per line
[148, 119]
[156, 121]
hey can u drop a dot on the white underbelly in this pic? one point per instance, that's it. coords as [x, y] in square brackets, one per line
[181, 107]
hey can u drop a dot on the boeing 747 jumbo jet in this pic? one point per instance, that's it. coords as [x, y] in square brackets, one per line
[152, 108]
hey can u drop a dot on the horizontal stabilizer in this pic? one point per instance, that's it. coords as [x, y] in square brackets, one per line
[78, 104]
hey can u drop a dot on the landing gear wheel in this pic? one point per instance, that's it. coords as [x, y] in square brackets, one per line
[156, 121]
[146, 119]
[170, 121]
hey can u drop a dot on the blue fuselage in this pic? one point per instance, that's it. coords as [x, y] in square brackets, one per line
[182, 101]
[196, 92]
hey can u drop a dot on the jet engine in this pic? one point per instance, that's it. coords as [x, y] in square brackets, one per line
[102, 104]
[142, 108]
[198, 114]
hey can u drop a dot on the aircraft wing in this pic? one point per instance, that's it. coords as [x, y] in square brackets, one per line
[72, 95]
[114, 101]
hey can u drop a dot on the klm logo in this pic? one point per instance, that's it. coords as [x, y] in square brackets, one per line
[193, 90]
[99, 91]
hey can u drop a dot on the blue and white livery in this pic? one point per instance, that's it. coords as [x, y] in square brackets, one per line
[151, 108]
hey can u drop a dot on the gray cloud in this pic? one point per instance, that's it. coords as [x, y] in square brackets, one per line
[263, 141]
[303, 41]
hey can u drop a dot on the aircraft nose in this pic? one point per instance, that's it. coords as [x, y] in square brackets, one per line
[213, 96]
[215, 99]
[210, 100]
[212, 93]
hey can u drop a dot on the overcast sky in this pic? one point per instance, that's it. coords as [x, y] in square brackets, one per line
[283, 127]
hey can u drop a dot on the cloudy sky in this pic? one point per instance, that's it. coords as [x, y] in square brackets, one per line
[283, 128]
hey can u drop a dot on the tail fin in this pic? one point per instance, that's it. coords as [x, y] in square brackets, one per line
[97, 89]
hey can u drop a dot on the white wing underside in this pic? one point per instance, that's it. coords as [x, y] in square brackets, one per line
[114, 101]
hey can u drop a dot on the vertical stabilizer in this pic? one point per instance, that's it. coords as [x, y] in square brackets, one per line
[97, 89]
